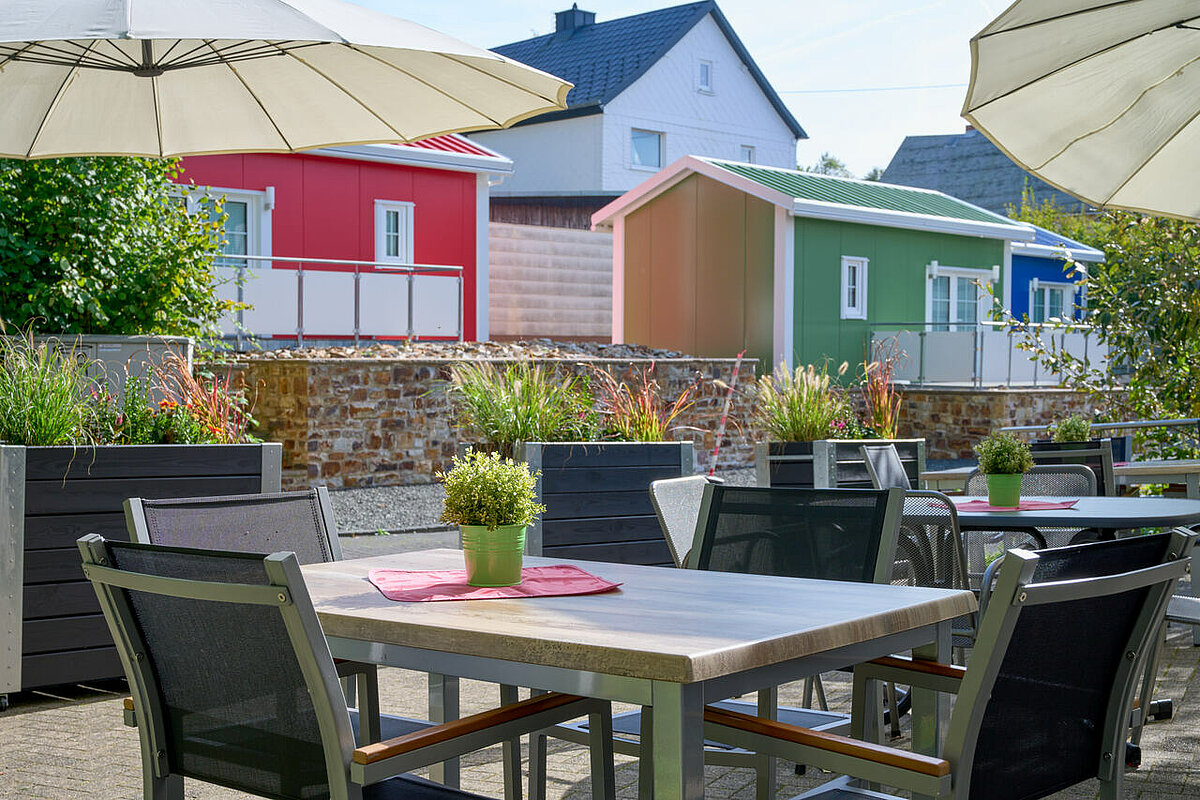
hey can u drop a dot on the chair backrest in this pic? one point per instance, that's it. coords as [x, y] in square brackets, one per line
[1096, 455]
[885, 467]
[231, 678]
[677, 503]
[832, 534]
[1045, 480]
[300, 522]
[930, 550]
[1046, 701]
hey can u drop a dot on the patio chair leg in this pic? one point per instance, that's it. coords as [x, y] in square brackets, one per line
[889, 695]
[822, 703]
[511, 750]
[604, 779]
[168, 788]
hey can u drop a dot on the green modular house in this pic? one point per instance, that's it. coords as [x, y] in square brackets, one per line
[711, 257]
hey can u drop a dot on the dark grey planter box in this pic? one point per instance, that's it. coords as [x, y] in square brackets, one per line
[835, 463]
[51, 622]
[597, 498]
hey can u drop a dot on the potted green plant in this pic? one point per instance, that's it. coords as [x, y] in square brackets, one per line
[814, 434]
[492, 499]
[70, 453]
[1073, 428]
[596, 455]
[1003, 458]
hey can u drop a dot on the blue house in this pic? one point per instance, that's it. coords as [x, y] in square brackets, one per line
[1043, 284]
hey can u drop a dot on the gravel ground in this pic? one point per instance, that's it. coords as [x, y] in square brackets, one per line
[397, 509]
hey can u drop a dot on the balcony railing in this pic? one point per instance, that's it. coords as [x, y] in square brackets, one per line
[984, 353]
[329, 298]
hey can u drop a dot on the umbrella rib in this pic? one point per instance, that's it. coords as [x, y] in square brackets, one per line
[62, 87]
[343, 90]
[517, 86]
[1028, 83]
[1057, 17]
[250, 92]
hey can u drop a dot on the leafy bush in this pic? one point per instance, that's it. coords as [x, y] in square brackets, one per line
[1071, 429]
[523, 402]
[486, 489]
[802, 405]
[1003, 454]
[637, 411]
[101, 245]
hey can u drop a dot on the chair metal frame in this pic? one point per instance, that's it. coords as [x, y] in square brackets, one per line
[1106, 484]
[349, 768]
[948, 776]
[885, 467]
[676, 535]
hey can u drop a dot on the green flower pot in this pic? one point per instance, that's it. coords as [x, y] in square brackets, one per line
[1004, 491]
[493, 558]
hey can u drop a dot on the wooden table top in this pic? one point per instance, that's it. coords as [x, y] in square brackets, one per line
[663, 624]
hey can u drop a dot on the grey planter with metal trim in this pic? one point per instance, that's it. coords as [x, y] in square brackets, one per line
[50, 496]
[834, 463]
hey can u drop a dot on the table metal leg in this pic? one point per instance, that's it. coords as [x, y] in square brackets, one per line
[443, 707]
[511, 750]
[645, 755]
[678, 741]
[764, 766]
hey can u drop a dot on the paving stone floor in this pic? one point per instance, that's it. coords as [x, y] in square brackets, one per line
[70, 743]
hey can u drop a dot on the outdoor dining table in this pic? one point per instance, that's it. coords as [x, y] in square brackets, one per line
[1106, 514]
[1166, 470]
[667, 639]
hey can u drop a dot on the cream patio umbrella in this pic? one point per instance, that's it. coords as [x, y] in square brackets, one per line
[178, 77]
[1097, 97]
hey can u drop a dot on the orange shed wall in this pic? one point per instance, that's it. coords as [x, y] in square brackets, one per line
[699, 273]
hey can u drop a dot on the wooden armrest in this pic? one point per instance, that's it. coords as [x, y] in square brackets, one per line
[830, 742]
[128, 704]
[922, 667]
[373, 753]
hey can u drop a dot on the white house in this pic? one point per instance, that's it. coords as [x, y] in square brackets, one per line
[649, 89]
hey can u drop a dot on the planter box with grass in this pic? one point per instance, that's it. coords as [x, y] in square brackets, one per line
[829, 462]
[50, 496]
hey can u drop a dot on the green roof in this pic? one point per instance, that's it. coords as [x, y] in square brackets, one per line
[864, 194]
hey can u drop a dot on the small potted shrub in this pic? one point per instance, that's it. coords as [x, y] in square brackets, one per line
[1003, 458]
[493, 500]
[1071, 429]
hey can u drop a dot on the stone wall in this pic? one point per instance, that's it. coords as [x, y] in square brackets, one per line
[365, 422]
[954, 419]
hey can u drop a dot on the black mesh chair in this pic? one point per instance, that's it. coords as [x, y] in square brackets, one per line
[885, 467]
[1046, 701]
[299, 522]
[233, 684]
[1096, 455]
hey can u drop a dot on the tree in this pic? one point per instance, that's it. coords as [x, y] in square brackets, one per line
[1144, 302]
[876, 174]
[829, 164]
[101, 245]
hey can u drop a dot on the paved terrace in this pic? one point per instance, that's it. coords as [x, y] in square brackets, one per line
[70, 743]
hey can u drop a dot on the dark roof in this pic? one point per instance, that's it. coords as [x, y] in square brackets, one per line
[602, 59]
[969, 167]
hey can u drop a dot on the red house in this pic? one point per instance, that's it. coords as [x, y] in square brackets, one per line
[370, 241]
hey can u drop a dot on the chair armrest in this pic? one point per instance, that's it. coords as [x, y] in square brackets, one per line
[375, 762]
[913, 672]
[872, 762]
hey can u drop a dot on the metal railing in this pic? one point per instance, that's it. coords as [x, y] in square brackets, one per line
[979, 353]
[329, 268]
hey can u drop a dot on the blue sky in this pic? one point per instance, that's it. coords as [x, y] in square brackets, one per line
[818, 54]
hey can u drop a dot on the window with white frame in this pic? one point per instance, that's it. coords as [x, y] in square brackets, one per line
[646, 149]
[704, 76]
[394, 232]
[955, 298]
[747, 154]
[247, 229]
[854, 287]
[1050, 301]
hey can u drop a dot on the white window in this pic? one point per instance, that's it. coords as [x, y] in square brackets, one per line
[646, 149]
[854, 287]
[955, 298]
[1050, 301]
[747, 154]
[247, 222]
[704, 76]
[394, 232]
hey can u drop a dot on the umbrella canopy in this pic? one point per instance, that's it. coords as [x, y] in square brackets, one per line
[1097, 97]
[179, 77]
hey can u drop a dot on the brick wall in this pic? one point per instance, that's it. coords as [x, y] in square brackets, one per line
[364, 422]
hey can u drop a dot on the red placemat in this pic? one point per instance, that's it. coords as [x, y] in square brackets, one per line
[1026, 505]
[416, 586]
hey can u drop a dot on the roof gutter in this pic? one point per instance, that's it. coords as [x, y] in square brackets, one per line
[1048, 251]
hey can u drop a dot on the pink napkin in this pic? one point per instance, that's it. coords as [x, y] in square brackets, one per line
[1026, 505]
[451, 584]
